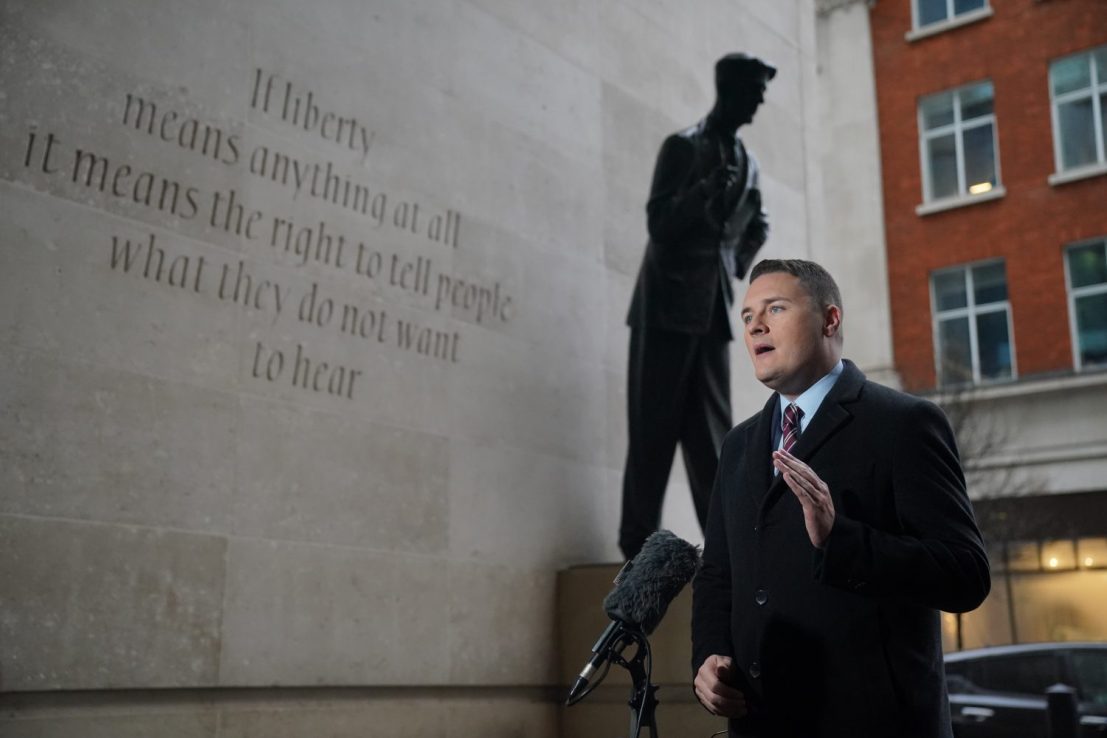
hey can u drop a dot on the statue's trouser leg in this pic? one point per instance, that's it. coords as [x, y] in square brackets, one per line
[673, 393]
[707, 419]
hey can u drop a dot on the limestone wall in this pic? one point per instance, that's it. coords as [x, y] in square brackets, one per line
[312, 350]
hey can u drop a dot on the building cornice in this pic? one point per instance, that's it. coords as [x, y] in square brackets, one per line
[1068, 383]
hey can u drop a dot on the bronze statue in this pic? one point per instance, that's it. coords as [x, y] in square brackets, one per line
[705, 224]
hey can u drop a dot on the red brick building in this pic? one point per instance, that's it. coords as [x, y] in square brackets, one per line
[993, 139]
[1023, 219]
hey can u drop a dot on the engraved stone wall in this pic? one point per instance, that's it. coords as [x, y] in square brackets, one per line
[311, 325]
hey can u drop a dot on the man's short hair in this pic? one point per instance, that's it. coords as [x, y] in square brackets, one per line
[816, 280]
[734, 69]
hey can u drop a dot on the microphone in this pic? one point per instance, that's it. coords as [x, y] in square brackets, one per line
[643, 590]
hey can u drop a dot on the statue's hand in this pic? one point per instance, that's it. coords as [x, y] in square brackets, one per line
[721, 179]
[733, 176]
[732, 190]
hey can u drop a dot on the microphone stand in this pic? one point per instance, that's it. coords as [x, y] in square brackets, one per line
[643, 697]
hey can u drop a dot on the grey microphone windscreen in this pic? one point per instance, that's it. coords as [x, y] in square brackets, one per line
[650, 581]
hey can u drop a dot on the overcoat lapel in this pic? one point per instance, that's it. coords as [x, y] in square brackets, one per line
[758, 462]
[829, 419]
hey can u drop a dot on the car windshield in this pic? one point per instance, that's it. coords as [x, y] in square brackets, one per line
[1091, 675]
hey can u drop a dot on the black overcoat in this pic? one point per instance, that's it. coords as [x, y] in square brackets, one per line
[846, 640]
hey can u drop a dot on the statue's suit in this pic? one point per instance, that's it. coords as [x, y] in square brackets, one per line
[678, 379]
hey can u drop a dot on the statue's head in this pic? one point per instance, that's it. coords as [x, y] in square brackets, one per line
[740, 83]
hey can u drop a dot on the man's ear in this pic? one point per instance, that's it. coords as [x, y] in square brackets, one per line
[832, 321]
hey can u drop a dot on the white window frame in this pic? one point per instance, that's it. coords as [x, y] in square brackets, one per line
[952, 19]
[957, 128]
[970, 311]
[1075, 292]
[1097, 88]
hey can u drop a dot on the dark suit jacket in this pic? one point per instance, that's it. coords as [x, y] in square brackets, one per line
[695, 249]
[843, 641]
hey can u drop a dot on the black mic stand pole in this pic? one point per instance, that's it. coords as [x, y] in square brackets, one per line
[643, 697]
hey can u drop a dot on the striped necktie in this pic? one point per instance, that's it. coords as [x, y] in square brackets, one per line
[790, 426]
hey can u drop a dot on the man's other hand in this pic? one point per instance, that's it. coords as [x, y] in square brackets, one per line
[715, 691]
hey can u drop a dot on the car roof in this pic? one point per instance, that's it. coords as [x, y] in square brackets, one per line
[1023, 648]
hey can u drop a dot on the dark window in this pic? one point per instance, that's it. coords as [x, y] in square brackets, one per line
[974, 673]
[958, 684]
[1090, 669]
[958, 139]
[1029, 674]
[1078, 86]
[936, 11]
[972, 324]
[1087, 274]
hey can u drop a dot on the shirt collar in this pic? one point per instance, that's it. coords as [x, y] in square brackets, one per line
[813, 396]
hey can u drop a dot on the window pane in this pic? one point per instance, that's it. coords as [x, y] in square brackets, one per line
[954, 353]
[942, 157]
[964, 6]
[931, 11]
[989, 283]
[937, 110]
[1101, 64]
[1103, 119]
[976, 101]
[1029, 675]
[949, 290]
[1077, 133]
[974, 672]
[1091, 675]
[1088, 264]
[1072, 73]
[980, 159]
[994, 345]
[1091, 328]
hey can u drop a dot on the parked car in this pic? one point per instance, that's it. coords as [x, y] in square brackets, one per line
[1000, 692]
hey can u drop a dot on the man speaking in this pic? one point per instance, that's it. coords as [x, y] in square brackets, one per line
[839, 526]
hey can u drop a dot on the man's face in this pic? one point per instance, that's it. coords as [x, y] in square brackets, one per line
[741, 101]
[788, 338]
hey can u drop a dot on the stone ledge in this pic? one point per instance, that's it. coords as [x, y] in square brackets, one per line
[1076, 174]
[959, 201]
[446, 712]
